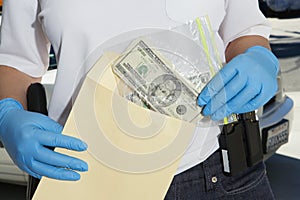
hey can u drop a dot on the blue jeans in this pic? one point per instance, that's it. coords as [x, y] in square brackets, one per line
[207, 181]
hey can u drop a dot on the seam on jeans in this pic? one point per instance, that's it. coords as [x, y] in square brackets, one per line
[247, 187]
[188, 180]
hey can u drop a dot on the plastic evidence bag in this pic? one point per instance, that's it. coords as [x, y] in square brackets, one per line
[167, 69]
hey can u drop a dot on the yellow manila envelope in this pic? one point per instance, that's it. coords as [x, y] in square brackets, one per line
[133, 152]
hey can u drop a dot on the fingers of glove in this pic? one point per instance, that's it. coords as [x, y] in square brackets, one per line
[55, 172]
[25, 165]
[53, 158]
[62, 141]
[255, 103]
[235, 105]
[49, 124]
[221, 113]
[216, 84]
[268, 90]
[30, 172]
[230, 90]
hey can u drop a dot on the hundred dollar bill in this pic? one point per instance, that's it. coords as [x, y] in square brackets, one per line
[156, 82]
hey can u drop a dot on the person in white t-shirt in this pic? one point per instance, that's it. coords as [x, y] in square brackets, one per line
[76, 28]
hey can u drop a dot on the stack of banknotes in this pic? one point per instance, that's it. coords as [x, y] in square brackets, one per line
[157, 85]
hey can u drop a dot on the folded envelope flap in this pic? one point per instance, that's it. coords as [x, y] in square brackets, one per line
[133, 152]
[101, 72]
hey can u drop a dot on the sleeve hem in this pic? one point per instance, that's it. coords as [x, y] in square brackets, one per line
[262, 30]
[22, 65]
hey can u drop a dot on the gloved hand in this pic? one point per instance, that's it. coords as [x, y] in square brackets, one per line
[26, 135]
[246, 83]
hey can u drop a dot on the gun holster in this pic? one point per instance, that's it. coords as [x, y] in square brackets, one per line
[36, 102]
[240, 144]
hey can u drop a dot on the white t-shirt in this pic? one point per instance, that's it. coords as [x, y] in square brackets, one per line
[75, 28]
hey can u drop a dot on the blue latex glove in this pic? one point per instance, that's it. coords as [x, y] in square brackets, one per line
[246, 83]
[25, 136]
